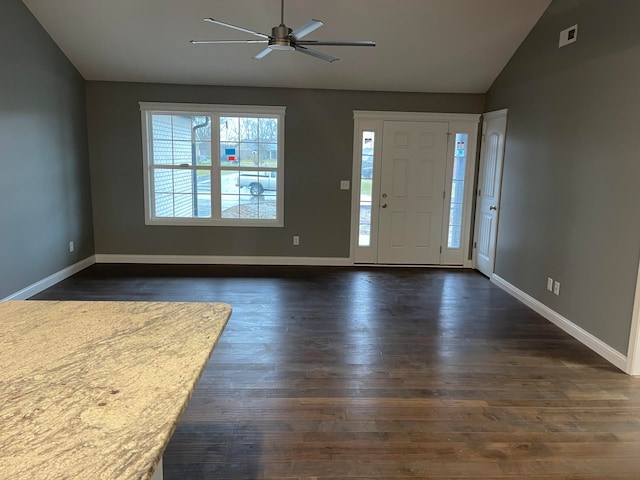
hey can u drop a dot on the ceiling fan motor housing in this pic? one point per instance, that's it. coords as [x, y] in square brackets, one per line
[280, 38]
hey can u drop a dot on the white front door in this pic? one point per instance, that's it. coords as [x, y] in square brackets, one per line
[489, 181]
[414, 159]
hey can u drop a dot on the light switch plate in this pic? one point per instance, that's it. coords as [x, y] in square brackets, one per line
[344, 184]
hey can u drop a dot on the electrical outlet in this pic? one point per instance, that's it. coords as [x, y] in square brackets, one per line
[550, 284]
[556, 288]
[344, 184]
[296, 239]
[71, 246]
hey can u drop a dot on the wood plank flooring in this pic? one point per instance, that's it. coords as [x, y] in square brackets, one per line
[387, 373]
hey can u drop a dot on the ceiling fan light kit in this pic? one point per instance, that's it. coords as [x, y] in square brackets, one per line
[283, 38]
[280, 38]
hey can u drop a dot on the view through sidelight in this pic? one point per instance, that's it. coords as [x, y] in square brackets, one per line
[366, 180]
[456, 207]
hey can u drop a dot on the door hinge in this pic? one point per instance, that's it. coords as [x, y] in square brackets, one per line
[475, 244]
[444, 194]
[478, 192]
[440, 248]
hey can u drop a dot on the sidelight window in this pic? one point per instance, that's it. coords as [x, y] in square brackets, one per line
[456, 207]
[366, 181]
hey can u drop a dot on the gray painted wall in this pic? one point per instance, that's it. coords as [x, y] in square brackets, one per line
[571, 185]
[318, 154]
[45, 198]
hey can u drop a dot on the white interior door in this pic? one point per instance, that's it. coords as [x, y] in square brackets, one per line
[412, 182]
[633, 352]
[494, 127]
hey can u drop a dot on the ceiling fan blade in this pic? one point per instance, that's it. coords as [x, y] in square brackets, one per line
[306, 29]
[365, 43]
[263, 53]
[315, 53]
[235, 27]
[213, 42]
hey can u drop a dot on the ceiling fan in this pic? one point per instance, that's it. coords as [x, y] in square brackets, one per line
[284, 38]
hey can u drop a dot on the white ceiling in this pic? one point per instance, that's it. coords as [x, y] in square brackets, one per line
[422, 45]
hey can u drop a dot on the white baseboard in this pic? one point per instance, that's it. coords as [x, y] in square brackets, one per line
[51, 280]
[594, 343]
[608, 353]
[221, 260]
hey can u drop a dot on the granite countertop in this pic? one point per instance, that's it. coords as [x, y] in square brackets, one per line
[94, 390]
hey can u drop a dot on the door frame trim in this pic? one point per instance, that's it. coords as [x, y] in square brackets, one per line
[375, 121]
[633, 351]
[416, 116]
[495, 114]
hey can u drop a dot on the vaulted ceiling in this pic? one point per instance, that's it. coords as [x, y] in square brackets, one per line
[422, 45]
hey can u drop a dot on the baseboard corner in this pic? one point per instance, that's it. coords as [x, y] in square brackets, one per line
[51, 280]
[591, 341]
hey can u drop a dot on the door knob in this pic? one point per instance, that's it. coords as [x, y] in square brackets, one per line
[384, 205]
[493, 207]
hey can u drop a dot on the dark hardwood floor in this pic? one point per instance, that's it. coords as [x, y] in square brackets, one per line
[387, 373]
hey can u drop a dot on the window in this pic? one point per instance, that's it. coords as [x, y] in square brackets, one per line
[456, 207]
[213, 164]
[366, 179]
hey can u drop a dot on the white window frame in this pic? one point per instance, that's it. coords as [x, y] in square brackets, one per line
[365, 254]
[460, 255]
[215, 111]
